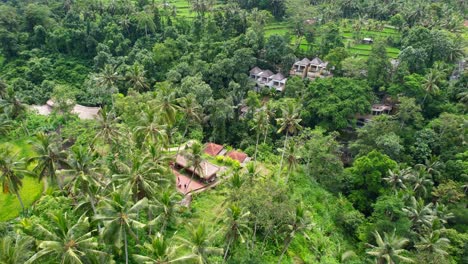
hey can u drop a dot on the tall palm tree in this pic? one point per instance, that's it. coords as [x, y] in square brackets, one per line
[67, 241]
[141, 176]
[166, 206]
[108, 79]
[151, 130]
[119, 214]
[194, 155]
[301, 224]
[161, 251]
[290, 124]
[192, 112]
[136, 78]
[199, 240]
[389, 249]
[12, 172]
[11, 105]
[397, 179]
[166, 106]
[420, 215]
[236, 226]
[431, 165]
[49, 157]
[6, 124]
[3, 88]
[430, 83]
[433, 243]
[292, 159]
[85, 179]
[15, 250]
[260, 123]
[107, 129]
[145, 22]
[421, 182]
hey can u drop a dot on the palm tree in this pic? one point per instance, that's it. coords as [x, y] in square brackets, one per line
[289, 123]
[236, 226]
[119, 214]
[430, 83]
[108, 79]
[141, 176]
[67, 241]
[421, 182]
[420, 215]
[136, 78]
[166, 106]
[194, 155]
[292, 159]
[107, 129]
[260, 123]
[166, 205]
[251, 171]
[145, 21]
[3, 88]
[150, 129]
[431, 166]
[433, 243]
[49, 157]
[301, 224]
[15, 250]
[192, 112]
[12, 172]
[397, 179]
[11, 105]
[199, 241]
[161, 251]
[389, 250]
[85, 180]
[6, 124]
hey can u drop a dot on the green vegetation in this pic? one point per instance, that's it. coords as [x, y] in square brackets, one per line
[360, 157]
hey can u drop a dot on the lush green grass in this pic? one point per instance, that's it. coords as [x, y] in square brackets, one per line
[31, 190]
[9, 204]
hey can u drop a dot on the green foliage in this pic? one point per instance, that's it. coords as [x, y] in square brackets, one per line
[331, 102]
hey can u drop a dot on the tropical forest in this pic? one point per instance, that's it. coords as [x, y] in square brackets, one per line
[233, 131]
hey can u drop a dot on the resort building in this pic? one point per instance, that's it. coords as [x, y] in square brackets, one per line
[311, 69]
[206, 173]
[268, 78]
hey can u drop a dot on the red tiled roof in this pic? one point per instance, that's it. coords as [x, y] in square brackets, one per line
[237, 155]
[213, 149]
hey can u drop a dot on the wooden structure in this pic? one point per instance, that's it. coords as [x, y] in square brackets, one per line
[207, 171]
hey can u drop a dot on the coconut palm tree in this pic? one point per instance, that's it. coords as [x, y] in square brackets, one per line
[85, 181]
[236, 226]
[166, 106]
[119, 214]
[289, 123]
[161, 251]
[260, 123]
[49, 157]
[165, 207]
[11, 105]
[66, 241]
[251, 171]
[136, 78]
[6, 124]
[12, 172]
[421, 182]
[107, 129]
[150, 128]
[430, 83]
[194, 156]
[145, 21]
[433, 243]
[300, 225]
[420, 215]
[108, 79]
[292, 159]
[397, 179]
[15, 250]
[431, 165]
[199, 242]
[141, 175]
[389, 249]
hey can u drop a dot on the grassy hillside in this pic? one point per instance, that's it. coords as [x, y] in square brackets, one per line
[32, 188]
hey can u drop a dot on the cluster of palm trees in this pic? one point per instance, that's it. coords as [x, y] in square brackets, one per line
[427, 220]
